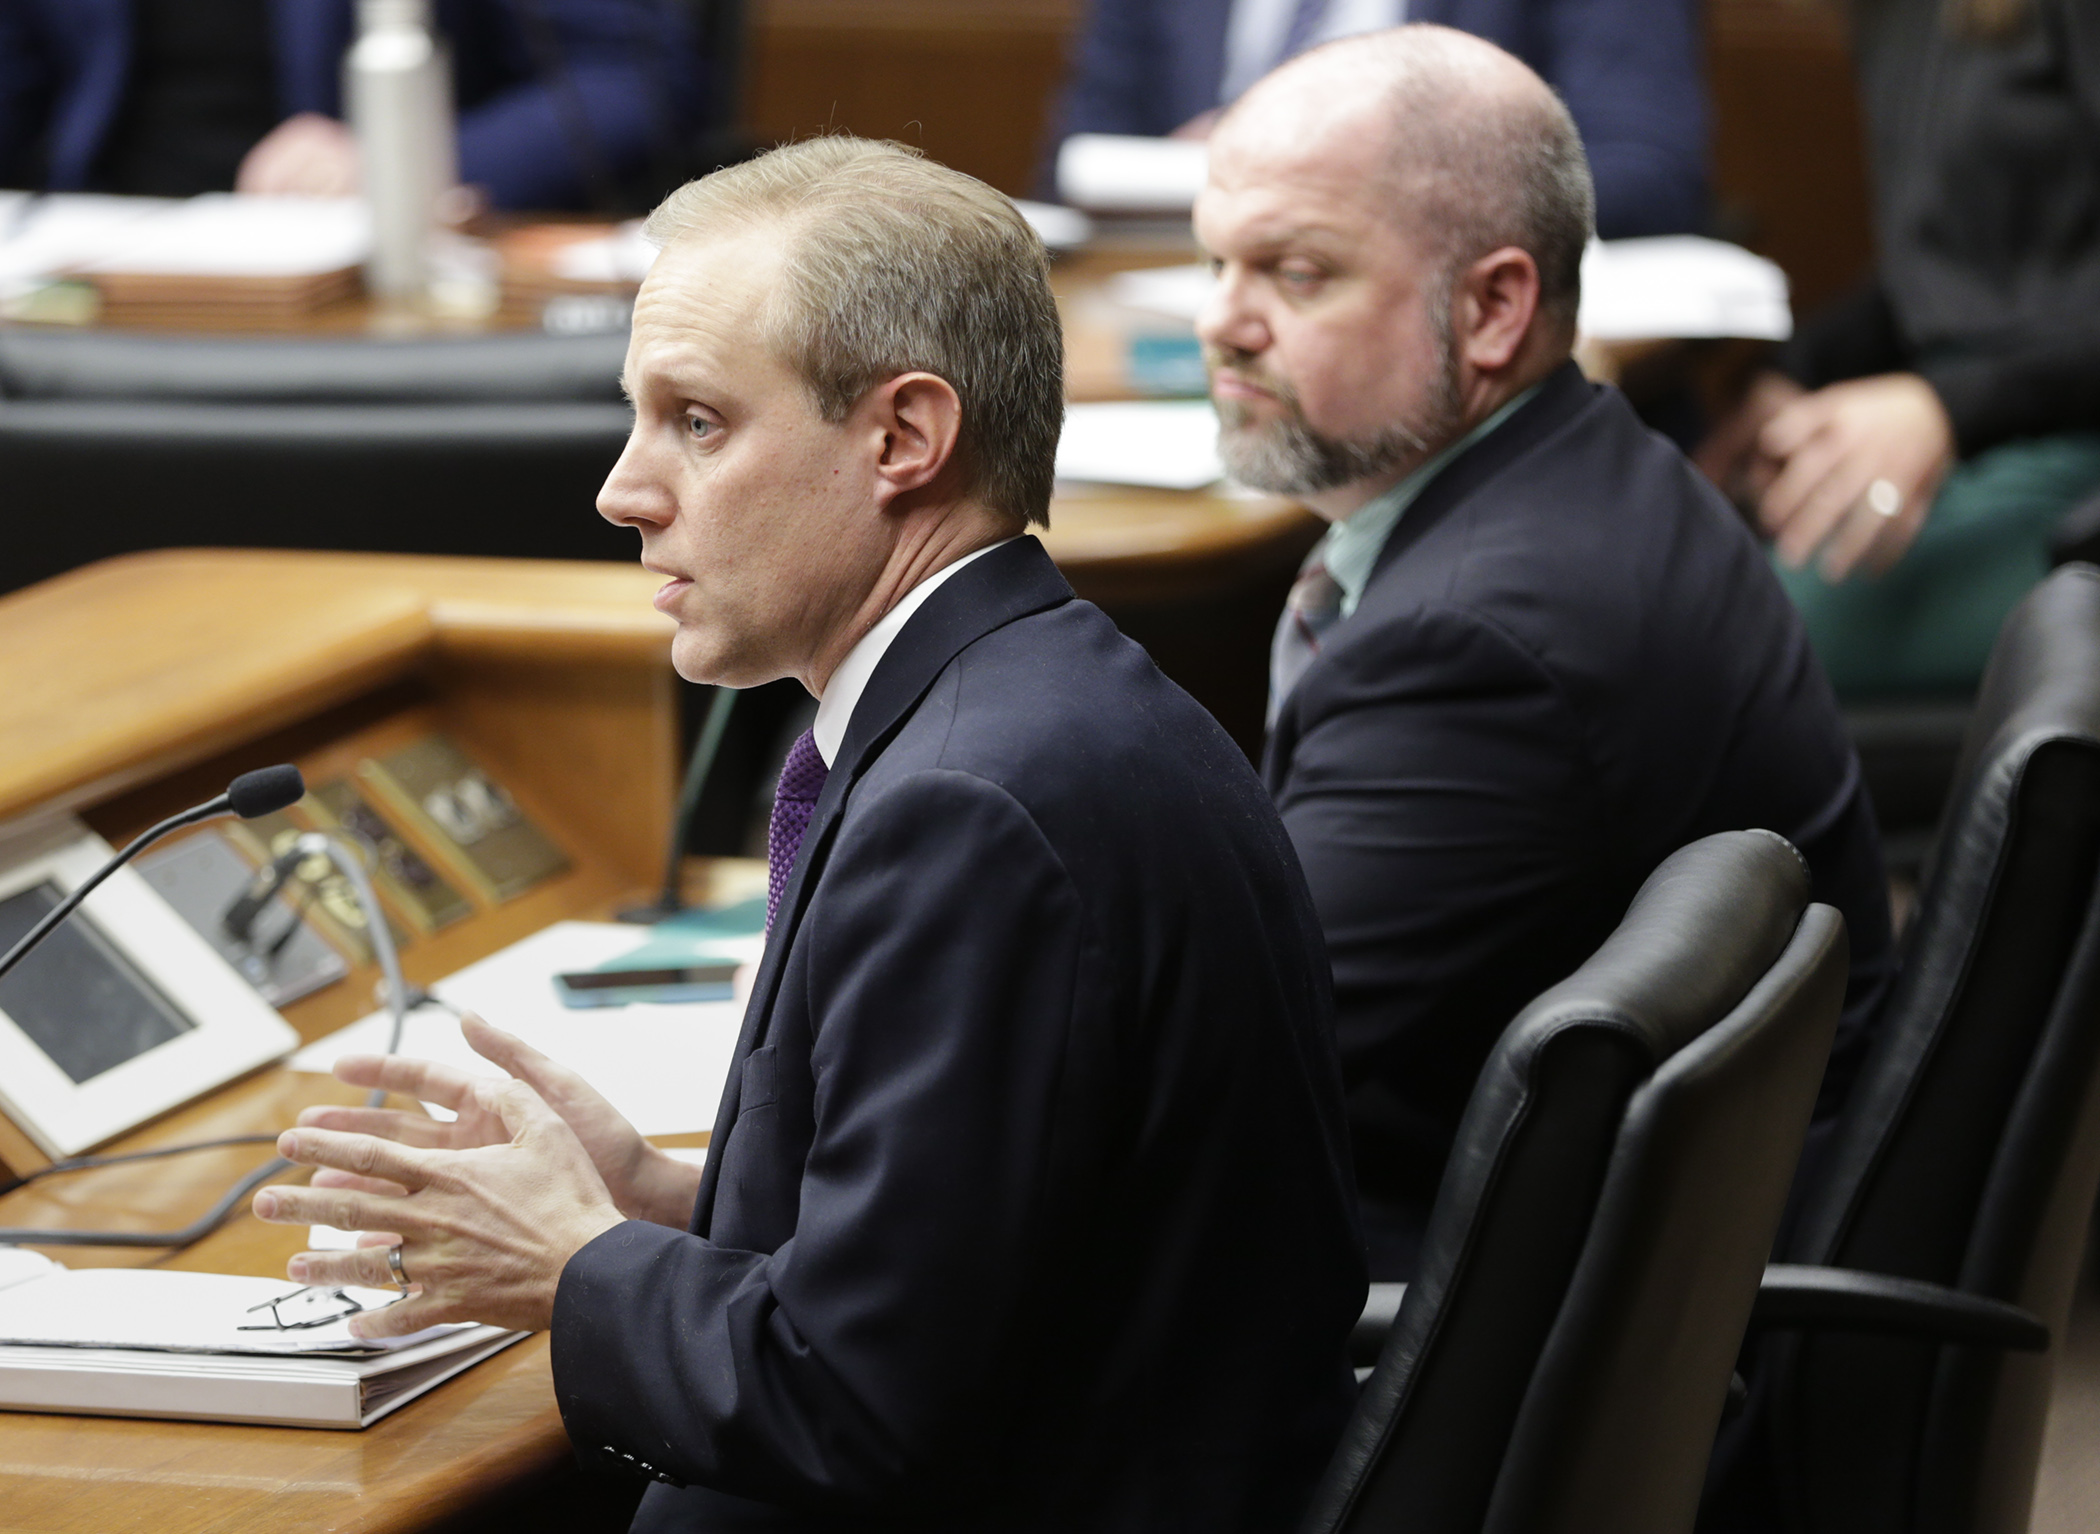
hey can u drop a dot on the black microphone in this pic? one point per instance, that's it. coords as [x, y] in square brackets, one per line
[261, 792]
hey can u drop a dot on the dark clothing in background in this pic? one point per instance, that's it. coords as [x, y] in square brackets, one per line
[554, 95]
[1633, 73]
[1986, 161]
[201, 96]
[1571, 659]
[1027, 1206]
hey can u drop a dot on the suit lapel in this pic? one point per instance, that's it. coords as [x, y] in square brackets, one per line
[1564, 393]
[1004, 585]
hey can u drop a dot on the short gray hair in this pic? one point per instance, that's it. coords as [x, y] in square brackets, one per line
[895, 264]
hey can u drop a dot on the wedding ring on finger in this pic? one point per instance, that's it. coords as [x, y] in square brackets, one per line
[1884, 499]
[393, 1262]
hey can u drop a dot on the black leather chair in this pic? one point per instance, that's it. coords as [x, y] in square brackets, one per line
[2077, 536]
[120, 366]
[111, 443]
[1908, 749]
[1563, 1357]
[1950, 1210]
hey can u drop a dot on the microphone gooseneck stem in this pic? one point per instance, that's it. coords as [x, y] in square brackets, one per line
[189, 1235]
[376, 933]
[35, 935]
[670, 899]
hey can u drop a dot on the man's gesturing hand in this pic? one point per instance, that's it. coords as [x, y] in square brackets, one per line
[485, 1232]
[644, 1182]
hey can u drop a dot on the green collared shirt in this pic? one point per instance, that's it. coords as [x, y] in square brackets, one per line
[1351, 547]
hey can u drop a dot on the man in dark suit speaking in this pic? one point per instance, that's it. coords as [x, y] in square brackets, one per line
[1027, 1204]
[1535, 653]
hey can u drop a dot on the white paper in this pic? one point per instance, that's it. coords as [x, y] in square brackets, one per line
[661, 1065]
[1178, 292]
[168, 1311]
[18, 1265]
[41, 237]
[1058, 228]
[225, 234]
[622, 256]
[1121, 173]
[1681, 286]
[1172, 444]
[1670, 287]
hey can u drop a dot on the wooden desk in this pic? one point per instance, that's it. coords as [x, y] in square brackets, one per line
[144, 683]
[141, 685]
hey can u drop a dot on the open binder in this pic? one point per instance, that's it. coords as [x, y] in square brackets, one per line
[136, 1342]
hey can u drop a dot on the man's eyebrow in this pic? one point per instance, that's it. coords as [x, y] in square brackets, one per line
[1297, 234]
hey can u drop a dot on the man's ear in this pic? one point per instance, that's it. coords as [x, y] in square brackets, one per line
[920, 417]
[1493, 305]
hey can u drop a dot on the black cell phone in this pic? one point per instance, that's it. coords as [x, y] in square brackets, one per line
[617, 987]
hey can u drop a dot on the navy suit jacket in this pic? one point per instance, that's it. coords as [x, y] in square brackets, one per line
[64, 66]
[1570, 660]
[1632, 72]
[1028, 1202]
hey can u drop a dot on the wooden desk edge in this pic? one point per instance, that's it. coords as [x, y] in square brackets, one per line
[486, 609]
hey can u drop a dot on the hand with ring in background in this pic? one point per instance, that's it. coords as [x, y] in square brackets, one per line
[1844, 474]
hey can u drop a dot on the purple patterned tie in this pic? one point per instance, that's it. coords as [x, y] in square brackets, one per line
[794, 801]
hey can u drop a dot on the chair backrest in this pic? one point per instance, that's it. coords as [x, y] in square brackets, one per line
[1969, 1149]
[1562, 1359]
[119, 365]
[86, 479]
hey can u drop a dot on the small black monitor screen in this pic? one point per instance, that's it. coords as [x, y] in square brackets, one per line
[80, 1000]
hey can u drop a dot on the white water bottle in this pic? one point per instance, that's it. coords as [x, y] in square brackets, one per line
[397, 82]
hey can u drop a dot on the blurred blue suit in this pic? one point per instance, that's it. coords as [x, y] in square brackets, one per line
[1631, 71]
[64, 67]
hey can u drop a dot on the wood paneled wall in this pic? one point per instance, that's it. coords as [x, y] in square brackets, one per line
[973, 83]
[1790, 174]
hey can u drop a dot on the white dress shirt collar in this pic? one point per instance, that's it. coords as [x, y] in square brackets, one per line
[842, 692]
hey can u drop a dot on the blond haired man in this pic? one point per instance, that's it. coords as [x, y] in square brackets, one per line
[1026, 1206]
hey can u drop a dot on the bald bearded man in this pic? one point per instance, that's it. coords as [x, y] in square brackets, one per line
[1535, 652]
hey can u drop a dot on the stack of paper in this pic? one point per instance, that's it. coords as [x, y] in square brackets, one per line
[540, 262]
[1172, 445]
[1120, 173]
[46, 237]
[1670, 287]
[1681, 286]
[144, 1342]
[261, 257]
[1059, 228]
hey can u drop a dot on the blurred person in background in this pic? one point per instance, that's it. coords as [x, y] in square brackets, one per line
[558, 99]
[1535, 652]
[1920, 440]
[1632, 72]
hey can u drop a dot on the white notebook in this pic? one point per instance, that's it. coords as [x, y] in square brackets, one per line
[140, 1342]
